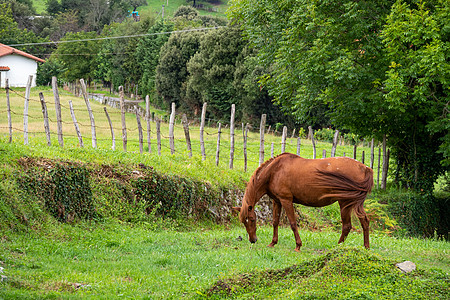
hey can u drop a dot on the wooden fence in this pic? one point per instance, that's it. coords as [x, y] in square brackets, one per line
[150, 118]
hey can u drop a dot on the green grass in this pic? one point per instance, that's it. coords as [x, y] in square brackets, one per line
[39, 5]
[154, 7]
[162, 261]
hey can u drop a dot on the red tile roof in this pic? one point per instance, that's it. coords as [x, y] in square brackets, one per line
[4, 68]
[7, 50]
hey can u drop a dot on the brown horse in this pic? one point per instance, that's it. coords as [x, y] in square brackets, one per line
[289, 179]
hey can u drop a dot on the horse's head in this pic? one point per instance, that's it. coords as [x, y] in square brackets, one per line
[247, 216]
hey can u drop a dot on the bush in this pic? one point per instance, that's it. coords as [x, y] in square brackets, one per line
[421, 214]
[324, 135]
[64, 191]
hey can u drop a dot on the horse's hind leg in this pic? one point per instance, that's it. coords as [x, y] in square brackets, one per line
[346, 216]
[276, 221]
[365, 226]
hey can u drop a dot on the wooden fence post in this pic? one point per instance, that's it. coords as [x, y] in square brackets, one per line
[311, 134]
[261, 141]
[147, 119]
[245, 133]
[141, 137]
[202, 128]
[91, 115]
[75, 124]
[186, 134]
[354, 149]
[122, 114]
[335, 141]
[385, 165]
[378, 169]
[372, 154]
[8, 107]
[45, 115]
[25, 110]
[171, 129]
[218, 144]
[58, 111]
[111, 128]
[158, 134]
[363, 158]
[233, 108]
[283, 140]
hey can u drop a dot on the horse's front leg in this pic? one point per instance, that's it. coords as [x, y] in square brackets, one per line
[289, 208]
[276, 221]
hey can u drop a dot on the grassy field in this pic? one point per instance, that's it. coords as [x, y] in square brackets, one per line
[154, 7]
[168, 261]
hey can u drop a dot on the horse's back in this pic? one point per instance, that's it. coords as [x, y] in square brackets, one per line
[306, 181]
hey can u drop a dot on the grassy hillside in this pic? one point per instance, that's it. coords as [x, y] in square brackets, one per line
[154, 7]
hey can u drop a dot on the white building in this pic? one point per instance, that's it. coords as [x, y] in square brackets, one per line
[17, 66]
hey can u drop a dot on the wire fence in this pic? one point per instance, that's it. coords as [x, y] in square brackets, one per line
[109, 125]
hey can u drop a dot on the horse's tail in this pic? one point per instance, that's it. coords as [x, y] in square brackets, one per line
[343, 188]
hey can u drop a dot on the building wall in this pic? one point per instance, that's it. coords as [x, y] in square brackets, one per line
[20, 68]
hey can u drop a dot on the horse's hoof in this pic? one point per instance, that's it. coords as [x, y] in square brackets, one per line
[297, 249]
[271, 245]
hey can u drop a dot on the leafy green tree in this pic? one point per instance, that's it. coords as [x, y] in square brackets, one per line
[53, 7]
[47, 70]
[78, 58]
[211, 69]
[11, 34]
[117, 60]
[417, 89]
[252, 98]
[171, 72]
[147, 52]
[21, 10]
[338, 58]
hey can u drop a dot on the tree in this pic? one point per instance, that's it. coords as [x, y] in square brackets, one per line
[11, 34]
[211, 69]
[21, 10]
[117, 60]
[136, 3]
[78, 58]
[417, 85]
[147, 52]
[53, 7]
[372, 67]
[335, 57]
[171, 72]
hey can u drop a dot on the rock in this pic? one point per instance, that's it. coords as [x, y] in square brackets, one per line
[406, 266]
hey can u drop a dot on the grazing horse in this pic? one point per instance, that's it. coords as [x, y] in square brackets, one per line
[289, 179]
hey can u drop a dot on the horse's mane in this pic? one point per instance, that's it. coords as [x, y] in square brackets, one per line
[250, 191]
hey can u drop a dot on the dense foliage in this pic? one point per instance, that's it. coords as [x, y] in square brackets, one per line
[372, 67]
